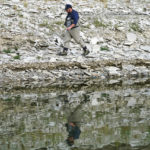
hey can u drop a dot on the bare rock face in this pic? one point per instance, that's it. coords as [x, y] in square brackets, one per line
[114, 31]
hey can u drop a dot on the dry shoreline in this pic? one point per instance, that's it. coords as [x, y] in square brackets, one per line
[70, 74]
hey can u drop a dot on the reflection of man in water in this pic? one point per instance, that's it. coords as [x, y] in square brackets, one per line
[75, 118]
[73, 132]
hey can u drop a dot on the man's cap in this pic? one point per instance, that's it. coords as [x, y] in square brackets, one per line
[68, 6]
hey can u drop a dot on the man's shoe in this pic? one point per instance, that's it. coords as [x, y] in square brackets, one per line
[64, 52]
[85, 51]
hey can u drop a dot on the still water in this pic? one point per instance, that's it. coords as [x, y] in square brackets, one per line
[115, 117]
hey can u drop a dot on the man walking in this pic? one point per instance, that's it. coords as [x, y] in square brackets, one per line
[73, 30]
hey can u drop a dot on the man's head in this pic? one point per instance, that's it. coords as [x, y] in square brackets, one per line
[70, 126]
[68, 8]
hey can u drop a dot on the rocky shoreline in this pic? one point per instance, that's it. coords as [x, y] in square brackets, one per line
[72, 74]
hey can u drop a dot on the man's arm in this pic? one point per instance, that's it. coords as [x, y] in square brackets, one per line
[69, 28]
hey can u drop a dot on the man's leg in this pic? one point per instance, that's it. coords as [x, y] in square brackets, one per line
[66, 39]
[75, 33]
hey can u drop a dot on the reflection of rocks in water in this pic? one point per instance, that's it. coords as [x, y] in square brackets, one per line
[114, 146]
[121, 146]
[36, 119]
[118, 146]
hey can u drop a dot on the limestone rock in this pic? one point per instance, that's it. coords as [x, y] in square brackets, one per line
[131, 102]
[145, 48]
[113, 71]
[131, 38]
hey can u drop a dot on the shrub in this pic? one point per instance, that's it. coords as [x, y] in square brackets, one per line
[136, 27]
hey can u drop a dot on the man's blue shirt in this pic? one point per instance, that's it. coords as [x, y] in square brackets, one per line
[73, 17]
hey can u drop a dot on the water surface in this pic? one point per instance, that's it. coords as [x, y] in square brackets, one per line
[109, 117]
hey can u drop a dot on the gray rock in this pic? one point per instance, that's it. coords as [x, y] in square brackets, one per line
[145, 48]
[131, 101]
[131, 38]
[113, 71]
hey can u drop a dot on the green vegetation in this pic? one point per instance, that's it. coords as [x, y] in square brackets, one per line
[15, 7]
[99, 114]
[17, 99]
[47, 25]
[16, 48]
[136, 27]
[144, 9]
[50, 0]
[104, 95]
[44, 24]
[97, 24]
[38, 57]
[125, 132]
[116, 27]
[50, 27]
[104, 2]
[20, 23]
[104, 48]
[2, 25]
[8, 99]
[7, 51]
[25, 4]
[59, 22]
[20, 15]
[17, 57]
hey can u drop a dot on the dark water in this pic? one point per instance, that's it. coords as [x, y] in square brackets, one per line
[109, 118]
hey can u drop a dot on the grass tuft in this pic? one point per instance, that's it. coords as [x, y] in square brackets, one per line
[136, 27]
[104, 48]
[97, 24]
[17, 57]
[7, 51]
[25, 4]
